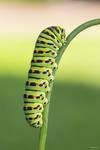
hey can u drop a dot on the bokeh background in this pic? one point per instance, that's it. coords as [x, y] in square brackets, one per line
[74, 119]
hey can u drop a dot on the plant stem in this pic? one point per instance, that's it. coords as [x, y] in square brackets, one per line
[75, 32]
[43, 130]
[70, 37]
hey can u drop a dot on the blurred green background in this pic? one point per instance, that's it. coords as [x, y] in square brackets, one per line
[74, 119]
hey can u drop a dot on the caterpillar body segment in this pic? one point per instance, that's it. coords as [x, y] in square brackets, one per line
[59, 32]
[37, 85]
[41, 72]
[47, 40]
[48, 62]
[40, 52]
[35, 97]
[33, 108]
[47, 45]
[35, 119]
[51, 36]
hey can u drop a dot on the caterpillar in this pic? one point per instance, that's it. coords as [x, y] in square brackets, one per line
[40, 75]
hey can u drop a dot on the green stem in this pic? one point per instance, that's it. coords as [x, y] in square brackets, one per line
[75, 32]
[43, 130]
[70, 37]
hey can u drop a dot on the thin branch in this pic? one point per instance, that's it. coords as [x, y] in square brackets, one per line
[75, 32]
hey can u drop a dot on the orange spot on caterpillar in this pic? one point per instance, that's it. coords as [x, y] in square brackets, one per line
[33, 96]
[35, 60]
[35, 51]
[43, 60]
[44, 51]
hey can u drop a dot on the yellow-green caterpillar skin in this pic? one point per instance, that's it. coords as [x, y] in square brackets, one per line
[41, 72]
[40, 75]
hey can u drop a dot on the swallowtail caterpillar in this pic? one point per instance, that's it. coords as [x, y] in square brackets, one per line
[40, 75]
